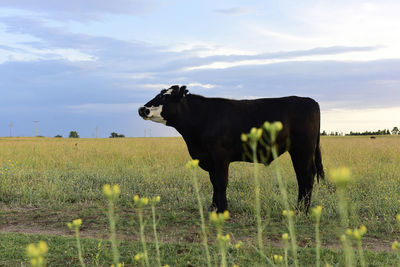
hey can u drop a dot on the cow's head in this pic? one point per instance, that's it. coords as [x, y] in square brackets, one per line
[165, 105]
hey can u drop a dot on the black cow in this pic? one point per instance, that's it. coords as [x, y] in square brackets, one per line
[212, 128]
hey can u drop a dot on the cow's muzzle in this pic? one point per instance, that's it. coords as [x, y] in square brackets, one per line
[144, 112]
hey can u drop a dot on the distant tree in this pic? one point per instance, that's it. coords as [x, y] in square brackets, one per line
[395, 130]
[58, 136]
[116, 135]
[73, 134]
[378, 132]
[324, 133]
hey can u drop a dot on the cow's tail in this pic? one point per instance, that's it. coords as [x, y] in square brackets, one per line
[318, 162]
[318, 159]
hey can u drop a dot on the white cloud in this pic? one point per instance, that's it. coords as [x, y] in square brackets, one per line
[29, 54]
[205, 86]
[206, 49]
[352, 23]
[307, 24]
[82, 10]
[233, 11]
[280, 35]
[350, 56]
[160, 86]
[69, 54]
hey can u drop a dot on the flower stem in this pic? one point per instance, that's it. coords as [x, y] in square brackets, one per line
[113, 239]
[348, 251]
[153, 212]
[286, 205]
[318, 242]
[257, 201]
[78, 245]
[203, 227]
[221, 247]
[286, 257]
[142, 238]
[361, 253]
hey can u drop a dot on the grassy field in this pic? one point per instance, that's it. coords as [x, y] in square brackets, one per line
[47, 182]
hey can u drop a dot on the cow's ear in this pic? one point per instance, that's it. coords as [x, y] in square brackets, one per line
[174, 87]
[183, 91]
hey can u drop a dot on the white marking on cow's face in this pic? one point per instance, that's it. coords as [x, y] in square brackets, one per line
[155, 114]
[168, 92]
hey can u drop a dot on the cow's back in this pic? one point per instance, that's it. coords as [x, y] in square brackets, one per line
[222, 121]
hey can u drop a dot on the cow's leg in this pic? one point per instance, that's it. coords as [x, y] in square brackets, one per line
[219, 180]
[214, 198]
[304, 167]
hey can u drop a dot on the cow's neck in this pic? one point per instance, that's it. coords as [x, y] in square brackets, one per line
[192, 116]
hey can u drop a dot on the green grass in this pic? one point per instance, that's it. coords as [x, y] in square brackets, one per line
[47, 182]
[97, 252]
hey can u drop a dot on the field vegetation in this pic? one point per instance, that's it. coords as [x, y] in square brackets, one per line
[46, 183]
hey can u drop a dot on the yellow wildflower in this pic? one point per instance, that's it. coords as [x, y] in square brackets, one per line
[111, 192]
[107, 191]
[244, 137]
[395, 245]
[288, 213]
[226, 215]
[192, 164]
[349, 232]
[363, 229]
[342, 238]
[75, 224]
[340, 176]
[139, 256]
[219, 218]
[36, 253]
[213, 216]
[316, 212]
[238, 244]
[116, 190]
[285, 237]
[278, 258]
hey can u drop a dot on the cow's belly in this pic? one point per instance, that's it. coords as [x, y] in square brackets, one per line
[200, 154]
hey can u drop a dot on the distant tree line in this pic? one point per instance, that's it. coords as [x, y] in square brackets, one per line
[116, 135]
[394, 131]
[74, 134]
[379, 132]
[331, 133]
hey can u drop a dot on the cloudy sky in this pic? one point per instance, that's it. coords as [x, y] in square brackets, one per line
[82, 64]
